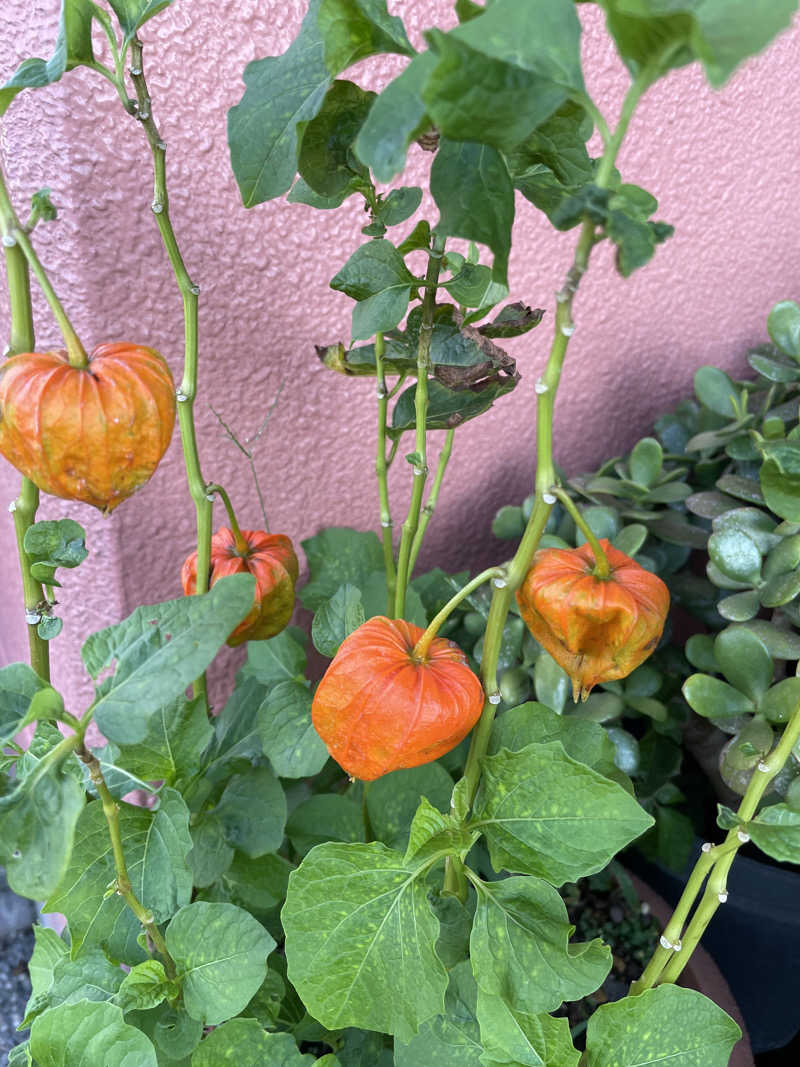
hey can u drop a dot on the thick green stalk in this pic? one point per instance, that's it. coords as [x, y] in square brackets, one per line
[433, 497]
[716, 891]
[187, 391]
[123, 882]
[382, 471]
[420, 413]
[24, 508]
[602, 568]
[242, 546]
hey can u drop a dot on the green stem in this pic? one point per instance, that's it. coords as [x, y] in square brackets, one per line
[497, 574]
[24, 508]
[187, 390]
[602, 568]
[368, 831]
[433, 497]
[420, 416]
[14, 236]
[382, 470]
[716, 891]
[123, 882]
[242, 546]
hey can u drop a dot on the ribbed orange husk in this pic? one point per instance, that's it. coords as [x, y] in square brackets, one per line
[596, 629]
[94, 434]
[271, 560]
[377, 709]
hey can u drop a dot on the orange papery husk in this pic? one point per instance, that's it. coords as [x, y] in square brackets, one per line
[270, 558]
[597, 629]
[378, 708]
[93, 434]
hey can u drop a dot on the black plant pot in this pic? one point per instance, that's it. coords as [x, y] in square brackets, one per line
[754, 939]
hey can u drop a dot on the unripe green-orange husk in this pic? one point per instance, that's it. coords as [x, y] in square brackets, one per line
[93, 433]
[271, 559]
[379, 708]
[597, 629]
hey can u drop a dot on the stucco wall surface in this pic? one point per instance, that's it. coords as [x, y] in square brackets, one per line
[724, 166]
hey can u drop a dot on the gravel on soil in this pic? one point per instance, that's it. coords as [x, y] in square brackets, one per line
[15, 986]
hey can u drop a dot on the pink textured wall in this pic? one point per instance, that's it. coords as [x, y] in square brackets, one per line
[724, 166]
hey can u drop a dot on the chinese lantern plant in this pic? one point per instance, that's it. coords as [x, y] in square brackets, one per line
[261, 905]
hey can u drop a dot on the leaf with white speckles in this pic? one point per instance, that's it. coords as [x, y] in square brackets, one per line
[360, 940]
[87, 1034]
[667, 1025]
[519, 947]
[245, 1043]
[545, 814]
[452, 1039]
[510, 1035]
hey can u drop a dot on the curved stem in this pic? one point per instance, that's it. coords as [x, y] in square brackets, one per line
[492, 573]
[242, 546]
[123, 882]
[602, 568]
[14, 235]
[188, 387]
[420, 418]
[382, 470]
[433, 497]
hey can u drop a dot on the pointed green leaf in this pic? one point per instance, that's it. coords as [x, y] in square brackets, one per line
[360, 940]
[336, 619]
[145, 986]
[282, 658]
[354, 29]
[399, 205]
[453, 1038]
[393, 800]
[221, 953]
[434, 834]
[289, 740]
[18, 686]
[326, 161]
[377, 278]
[324, 817]
[252, 811]
[336, 555]
[258, 885]
[87, 1034]
[545, 814]
[134, 13]
[159, 651]
[211, 855]
[243, 1042]
[48, 949]
[511, 1035]
[177, 736]
[663, 1025]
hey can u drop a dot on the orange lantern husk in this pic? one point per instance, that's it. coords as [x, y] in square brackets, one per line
[597, 629]
[270, 558]
[93, 433]
[379, 708]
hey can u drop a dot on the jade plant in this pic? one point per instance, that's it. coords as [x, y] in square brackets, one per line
[300, 880]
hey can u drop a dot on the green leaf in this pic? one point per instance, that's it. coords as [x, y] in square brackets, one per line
[73, 48]
[156, 846]
[473, 287]
[89, 977]
[326, 161]
[508, 1034]
[360, 940]
[776, 831]
[288, 738]
[47, 951]
[242, 1041]
[758, 526]
[744, 660]
[257, 885]
[781, 701]
[433, 834]
[173, 1033]
[663, 1025]
[336, 619]
[145, 986]
[252, 811]
[159, 651]
[646, 461]
[740, 607]
[18, 687]
[337, 555]
[211, 855]
[508, 523]
[544, 813]
[447, 407]
[397, 118]
[393, 799]
[735, 554]
[52, 544]
[780, 589]
[282, 94]
[714, 699]
[87, 1034]
[782, 644]
[584, 741]
[376, 277]
[551, 683]
[453, 1038]
[781, 489]
[283, 658]
[519, 949]
[37, 826]
[513, 320]
[473, 191]
[783, 324]
[177, 736]
[134, 13]
[716, 391]
[221, 952]
[399, 205]
[354, 29]
[324, 817]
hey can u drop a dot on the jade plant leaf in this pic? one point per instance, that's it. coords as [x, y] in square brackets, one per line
[86, 1034]
[666, 1024]
[360, 940]
[545, 814]
[783, 324]
[159, 651]
[776, 831]
[519, 947]
[221, 953]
